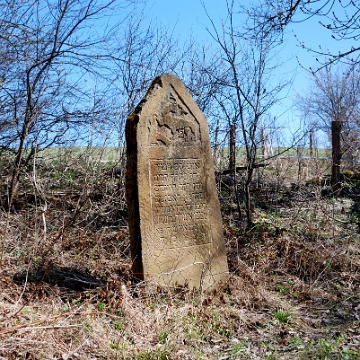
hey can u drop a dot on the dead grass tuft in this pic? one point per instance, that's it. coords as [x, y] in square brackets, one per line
[66, 288]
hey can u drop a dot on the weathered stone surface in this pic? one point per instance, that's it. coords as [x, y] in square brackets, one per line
[174, 214]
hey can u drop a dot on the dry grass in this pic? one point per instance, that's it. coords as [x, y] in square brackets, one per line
[66, 290]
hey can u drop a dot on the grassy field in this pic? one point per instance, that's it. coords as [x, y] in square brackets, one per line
[66, 288]
[114, 153]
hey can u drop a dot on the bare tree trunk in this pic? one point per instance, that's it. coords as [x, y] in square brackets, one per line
[249, 205]
[16, 172]
[232, 166]
[336, 154]
[15, 178]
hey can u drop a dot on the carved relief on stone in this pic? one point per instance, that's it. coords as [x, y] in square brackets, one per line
[173, 124]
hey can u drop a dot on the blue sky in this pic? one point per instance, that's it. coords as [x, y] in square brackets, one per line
[188, 18]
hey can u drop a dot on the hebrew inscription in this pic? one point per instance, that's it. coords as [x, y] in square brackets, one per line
[179, 208]
[174, 215]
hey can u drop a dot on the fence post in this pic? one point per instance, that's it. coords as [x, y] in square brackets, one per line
[311, 142]
[232, 145]
[216, 144]
[263, 142]
[336, 154]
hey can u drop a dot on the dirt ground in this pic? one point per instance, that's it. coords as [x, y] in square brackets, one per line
[66, 288]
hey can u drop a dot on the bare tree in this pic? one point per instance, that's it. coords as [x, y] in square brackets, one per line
[142, 52]
[340, 17]
[248, 91]
[199, 69]
[48, 49]
[334, 96]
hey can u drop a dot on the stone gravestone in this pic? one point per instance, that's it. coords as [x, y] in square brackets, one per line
[174, 214]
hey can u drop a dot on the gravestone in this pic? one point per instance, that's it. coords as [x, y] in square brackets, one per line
[174, 214]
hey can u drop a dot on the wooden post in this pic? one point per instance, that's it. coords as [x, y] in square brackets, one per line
[336, 154]
[311, 142]
[299, 154]
[216, 145]
[263, 142]
[232, 145]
